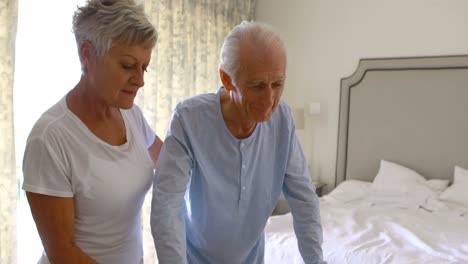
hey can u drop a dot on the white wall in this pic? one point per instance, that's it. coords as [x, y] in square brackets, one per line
[326, 38]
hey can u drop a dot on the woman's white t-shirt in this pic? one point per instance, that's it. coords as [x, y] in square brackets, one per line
[64, 158]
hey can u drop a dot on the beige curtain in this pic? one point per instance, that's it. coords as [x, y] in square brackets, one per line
[8, 188]
[184, 62]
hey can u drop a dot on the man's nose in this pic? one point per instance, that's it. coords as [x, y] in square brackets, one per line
[269, 94]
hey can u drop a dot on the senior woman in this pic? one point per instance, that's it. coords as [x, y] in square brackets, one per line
[89, 159]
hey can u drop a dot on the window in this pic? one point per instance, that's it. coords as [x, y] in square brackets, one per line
[46, 68]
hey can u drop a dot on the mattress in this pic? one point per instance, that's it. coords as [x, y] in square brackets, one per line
[359, 232]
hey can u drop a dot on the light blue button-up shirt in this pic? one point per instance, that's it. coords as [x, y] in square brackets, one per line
[213, 193]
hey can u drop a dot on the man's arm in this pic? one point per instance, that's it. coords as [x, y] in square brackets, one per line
[304, 204]
[169, 186]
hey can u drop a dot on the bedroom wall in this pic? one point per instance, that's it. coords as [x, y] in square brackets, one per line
[325, 40]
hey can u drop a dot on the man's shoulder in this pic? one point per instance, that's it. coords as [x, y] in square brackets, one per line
[283, 111]
[284, 107]
[281, 120]
[197, 103]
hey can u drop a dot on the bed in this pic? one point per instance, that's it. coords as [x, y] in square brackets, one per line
[401, 181]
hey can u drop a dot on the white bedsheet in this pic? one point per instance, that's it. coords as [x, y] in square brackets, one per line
[358, 233]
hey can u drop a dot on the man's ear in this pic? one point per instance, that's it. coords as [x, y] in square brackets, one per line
[226, 80]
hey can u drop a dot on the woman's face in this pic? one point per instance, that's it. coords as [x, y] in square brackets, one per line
[118, 74]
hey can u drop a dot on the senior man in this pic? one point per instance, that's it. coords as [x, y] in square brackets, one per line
[226, 159]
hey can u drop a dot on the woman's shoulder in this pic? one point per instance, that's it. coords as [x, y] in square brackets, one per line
[53, 119]
[134, 112]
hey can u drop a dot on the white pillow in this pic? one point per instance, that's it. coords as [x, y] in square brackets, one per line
[349, 190]
[458, 191]
[398, 186]
[438, 185]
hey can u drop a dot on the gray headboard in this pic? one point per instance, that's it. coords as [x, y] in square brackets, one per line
[413, 111]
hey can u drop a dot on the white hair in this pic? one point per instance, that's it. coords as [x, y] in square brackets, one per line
[261, 35]
[104, 22]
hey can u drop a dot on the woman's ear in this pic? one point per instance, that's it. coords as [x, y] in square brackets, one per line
[226, 80]
[86, 53]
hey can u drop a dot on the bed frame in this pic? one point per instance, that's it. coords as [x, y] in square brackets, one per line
[412, 111]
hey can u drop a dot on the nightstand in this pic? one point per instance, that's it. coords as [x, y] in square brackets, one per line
[282, 205]
[319, 188]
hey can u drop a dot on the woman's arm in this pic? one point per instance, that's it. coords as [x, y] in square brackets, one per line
[54, 217]
[154, 150]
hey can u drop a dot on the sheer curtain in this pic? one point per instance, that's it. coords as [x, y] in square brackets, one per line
[185, 62]
[8, 195]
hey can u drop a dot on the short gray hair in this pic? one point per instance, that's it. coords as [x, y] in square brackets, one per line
[104, 22]
[259, 34]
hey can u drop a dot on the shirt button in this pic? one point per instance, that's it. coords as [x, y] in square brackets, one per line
[243, 188]
[243, 166]
[242, 144]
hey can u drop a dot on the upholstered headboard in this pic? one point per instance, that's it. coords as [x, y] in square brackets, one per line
[413, 111]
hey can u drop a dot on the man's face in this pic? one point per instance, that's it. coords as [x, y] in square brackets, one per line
[260, 82]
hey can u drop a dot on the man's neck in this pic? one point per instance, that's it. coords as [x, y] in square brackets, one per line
[238, 125]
